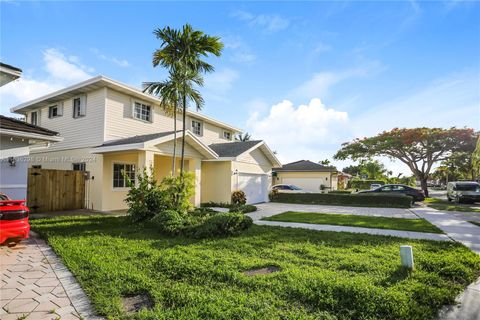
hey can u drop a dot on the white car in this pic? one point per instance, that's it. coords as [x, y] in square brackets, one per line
[288, 188]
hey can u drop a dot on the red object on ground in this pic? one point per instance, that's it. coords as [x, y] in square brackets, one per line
[14, 224]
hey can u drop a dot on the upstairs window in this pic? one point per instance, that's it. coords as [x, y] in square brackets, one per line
[34, 118]
[227, 135]
[118, 170]
[79, 107]
[142, 112]
[197, 127]
[54, 111]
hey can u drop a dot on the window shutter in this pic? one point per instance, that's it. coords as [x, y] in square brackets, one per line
[83, 105]
[60, 109]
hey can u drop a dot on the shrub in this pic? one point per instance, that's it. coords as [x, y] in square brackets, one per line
[215, 204]
[340, 192]
[145, 199]
[273, 195]
[239, 197]
[178, 190]
[170, 221]
[363, 184]
[364, 200]
[246, 208]
[221, 224]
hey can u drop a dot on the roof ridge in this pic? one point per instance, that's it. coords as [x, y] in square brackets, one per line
[28, 124]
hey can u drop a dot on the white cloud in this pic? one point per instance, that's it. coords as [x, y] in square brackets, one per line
[304, 132]
[102, 56]
[268, 22]
[60, 71]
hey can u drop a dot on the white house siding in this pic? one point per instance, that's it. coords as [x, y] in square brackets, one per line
[86, 131]
[210, 133]
[13, 179]
[63, 160]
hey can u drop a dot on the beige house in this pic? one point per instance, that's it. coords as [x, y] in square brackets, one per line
[308, 175]
[109, 127]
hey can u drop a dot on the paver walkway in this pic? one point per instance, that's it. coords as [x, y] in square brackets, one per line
[36, 285]
[382, 232]
[455, 227]
[272, 208]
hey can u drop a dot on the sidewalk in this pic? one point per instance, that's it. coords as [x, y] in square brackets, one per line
[456, 228]
[382, 232]
[36, 285]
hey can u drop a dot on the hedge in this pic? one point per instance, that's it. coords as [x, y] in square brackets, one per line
[363, 184]
[340, 191]
[361, 200]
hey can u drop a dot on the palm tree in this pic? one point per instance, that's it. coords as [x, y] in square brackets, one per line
[244, 137]
[325, 162]
[181, 52]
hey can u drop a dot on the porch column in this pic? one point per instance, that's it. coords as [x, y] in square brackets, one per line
[195, 165]
[145, 160]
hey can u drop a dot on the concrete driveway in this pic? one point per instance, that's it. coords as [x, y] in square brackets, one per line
[272, 208]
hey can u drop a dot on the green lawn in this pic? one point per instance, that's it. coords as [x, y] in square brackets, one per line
[449, 206]
[323, 275]
[419, 225]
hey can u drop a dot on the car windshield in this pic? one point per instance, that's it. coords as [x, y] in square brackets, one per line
[468, 187]
[295, 187]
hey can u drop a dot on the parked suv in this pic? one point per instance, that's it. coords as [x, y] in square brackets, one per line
[463, 191]
[417, 195]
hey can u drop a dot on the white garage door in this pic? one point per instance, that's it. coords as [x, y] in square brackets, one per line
[255, 187]
[307, 184]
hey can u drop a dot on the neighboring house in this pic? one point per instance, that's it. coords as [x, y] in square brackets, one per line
[109, 127]
[8, 73]
[307, 175]
[343, 179]
[17, 140]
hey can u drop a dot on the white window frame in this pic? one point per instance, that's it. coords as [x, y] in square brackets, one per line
[124, 188]
[50, 111]
[80, 110]
[138, 116]
[36, 118]
[225, 133]
[201, 127]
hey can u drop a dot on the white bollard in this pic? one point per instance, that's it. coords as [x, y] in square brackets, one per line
[406, 256]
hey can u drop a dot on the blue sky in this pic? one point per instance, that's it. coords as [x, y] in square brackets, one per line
[304, 76]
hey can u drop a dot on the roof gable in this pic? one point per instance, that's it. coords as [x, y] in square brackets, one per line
[305, 165]
[7, 123]
[233, 149]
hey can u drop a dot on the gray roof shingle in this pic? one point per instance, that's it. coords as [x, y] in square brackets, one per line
[7, 123]
[137, 139]
[233, 149]
[305, 165]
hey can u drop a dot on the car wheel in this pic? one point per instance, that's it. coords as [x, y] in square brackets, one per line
[457, 200]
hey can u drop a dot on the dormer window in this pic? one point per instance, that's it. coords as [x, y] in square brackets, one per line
[142, 112]
[79, 107]
[197, 127]
[227, 135]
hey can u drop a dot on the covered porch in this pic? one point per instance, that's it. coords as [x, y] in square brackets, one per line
[154, 153]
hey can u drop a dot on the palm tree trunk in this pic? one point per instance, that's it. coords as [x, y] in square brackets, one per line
[174, 139]
[184, 118]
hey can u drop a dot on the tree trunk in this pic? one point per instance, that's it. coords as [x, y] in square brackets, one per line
[423, 184]
[184, 118]
[174, 139]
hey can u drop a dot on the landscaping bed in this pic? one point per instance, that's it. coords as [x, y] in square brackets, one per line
[311, 274]
[444, 205]
[417, 225]
[361, 200]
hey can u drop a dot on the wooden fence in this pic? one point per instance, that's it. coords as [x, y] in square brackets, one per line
[55, 190]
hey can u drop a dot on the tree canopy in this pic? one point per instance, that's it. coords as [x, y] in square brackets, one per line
[418, 148]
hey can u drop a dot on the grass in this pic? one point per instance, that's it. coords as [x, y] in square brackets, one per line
[418, 225]
[324, 275]
[449, 206]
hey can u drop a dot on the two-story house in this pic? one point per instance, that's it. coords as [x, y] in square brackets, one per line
[109, 127]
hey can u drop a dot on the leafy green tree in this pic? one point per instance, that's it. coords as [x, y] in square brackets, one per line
[418, 148]
[325, 162]
[374, 169]
[182, 52]
[353, 170]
